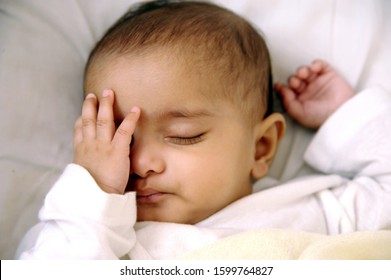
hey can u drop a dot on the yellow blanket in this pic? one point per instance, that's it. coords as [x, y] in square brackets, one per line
[276, 244]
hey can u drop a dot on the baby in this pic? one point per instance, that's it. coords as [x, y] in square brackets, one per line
[176, 126]
[200, 78]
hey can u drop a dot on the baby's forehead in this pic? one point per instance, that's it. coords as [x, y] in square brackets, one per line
[176, 69]
[161, 61]
[179, 69]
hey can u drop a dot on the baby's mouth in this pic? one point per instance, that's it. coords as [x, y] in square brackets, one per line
[144, 193]
[149, 196]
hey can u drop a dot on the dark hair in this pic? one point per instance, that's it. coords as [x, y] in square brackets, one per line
[214, 36]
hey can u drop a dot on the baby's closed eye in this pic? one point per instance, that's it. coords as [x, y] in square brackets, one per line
[185, 140]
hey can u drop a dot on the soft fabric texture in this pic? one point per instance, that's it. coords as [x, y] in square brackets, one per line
[278, 244]
[44, 46]
[97, 225]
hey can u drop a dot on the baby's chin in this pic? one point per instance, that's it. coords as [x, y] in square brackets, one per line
[171, 217]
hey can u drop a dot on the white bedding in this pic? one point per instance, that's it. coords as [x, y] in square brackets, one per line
[44, 45]
[278, 244]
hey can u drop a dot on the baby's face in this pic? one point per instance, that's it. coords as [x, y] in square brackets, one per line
[191, 155]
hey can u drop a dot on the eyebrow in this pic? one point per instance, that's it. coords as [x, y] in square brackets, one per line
[184, 114]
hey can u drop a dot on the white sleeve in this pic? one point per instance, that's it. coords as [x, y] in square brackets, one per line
[80, 221]
[355, 143]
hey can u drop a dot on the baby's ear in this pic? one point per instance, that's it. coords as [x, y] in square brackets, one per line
[267, 135]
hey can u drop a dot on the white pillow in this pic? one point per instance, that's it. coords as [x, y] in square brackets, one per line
[43, 49]
[44, 45]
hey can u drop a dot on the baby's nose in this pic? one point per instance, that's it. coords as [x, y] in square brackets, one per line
[146, 159]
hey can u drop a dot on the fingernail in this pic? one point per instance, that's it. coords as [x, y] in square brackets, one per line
[134, 109]
[90, 95]
[106, 93]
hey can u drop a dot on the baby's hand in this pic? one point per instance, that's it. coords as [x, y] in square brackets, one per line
[101, 149]
[314, 93]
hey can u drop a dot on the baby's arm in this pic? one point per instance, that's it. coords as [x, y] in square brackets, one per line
[100, 149]
[353, 144]
[86, 214]
[313, 93]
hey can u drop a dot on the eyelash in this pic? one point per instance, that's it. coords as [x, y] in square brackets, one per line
[180, 140]
[187, 140]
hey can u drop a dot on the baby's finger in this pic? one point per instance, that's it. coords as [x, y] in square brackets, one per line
[89, 116]
[123, 135]
[286, 93]
[289, 100]
[78, 131]
[306, 74]
[319, 66]
[296, 84]
[105, 121]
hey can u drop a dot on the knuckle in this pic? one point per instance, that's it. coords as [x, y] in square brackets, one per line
[102, 123]
[123, 132]
[88, 122]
